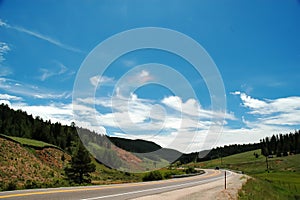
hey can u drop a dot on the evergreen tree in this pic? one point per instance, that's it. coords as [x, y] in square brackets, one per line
[80, 166]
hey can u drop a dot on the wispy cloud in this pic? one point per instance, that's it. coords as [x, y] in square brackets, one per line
[32, 91]
[96, 80]
[47, 73]
[40, 36]
[5, 71]
[129, 63]
[4, 48]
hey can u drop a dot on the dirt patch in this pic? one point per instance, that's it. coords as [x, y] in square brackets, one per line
[130, 159]
[53, 157]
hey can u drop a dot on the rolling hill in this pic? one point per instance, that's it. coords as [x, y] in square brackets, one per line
[281, 181]
[27, 163]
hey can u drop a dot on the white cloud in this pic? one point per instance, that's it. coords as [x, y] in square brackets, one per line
[10, 97]
[144, 76]
[193, 108]
[40, 36]
[152, 120]
[5, 102]
[136, 78]
[266, 117]
[287, 105]
[251, 102]
[96, 80]
[235, 93]
[129, 63]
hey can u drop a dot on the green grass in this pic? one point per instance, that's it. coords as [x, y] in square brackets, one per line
[281, 182]
[30, 142]
[26, 141]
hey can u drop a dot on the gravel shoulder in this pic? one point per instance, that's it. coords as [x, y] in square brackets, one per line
[212, 190]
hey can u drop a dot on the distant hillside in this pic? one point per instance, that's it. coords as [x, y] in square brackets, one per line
[135, 146]
[147, 149]
[217, 152]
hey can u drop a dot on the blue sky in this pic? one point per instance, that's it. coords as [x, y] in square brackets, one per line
[254, 44]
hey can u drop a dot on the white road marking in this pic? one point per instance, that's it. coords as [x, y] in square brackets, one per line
[153, 189]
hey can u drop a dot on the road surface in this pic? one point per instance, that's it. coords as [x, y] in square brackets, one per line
[115, 191]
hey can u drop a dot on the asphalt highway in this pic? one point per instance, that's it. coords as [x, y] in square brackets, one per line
[115, 191]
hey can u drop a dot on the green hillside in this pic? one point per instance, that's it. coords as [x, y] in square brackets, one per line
[281, 182]
[29, 142]
[26, 163]
[136, 146]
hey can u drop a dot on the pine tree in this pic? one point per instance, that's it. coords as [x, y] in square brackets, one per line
[80, 166]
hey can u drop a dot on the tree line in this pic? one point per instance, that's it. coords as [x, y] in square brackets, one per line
[281, 145]
[19, 124]
[217, 152]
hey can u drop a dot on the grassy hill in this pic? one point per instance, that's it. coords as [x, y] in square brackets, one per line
[27, 163]
[29, 142]
[281, 182]
[25, 167]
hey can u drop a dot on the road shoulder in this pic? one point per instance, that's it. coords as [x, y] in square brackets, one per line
[212, 190]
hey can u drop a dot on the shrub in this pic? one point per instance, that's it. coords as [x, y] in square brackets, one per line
[190, 170]
[29, 184]
[152, 176]
[168, 175]
[11, 186]
[127, 174]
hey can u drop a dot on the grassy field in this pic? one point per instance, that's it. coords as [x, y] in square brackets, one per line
[29, 142]
[281, 182]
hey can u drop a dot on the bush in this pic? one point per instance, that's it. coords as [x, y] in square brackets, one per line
[29, 184]
[1, 186]
[168, 175]
[11, 186]
[190, 170]
[153, 176]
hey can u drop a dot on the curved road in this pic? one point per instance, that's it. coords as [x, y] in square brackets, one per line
[115, 191]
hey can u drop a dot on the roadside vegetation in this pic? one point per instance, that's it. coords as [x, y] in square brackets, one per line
[171, 172]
